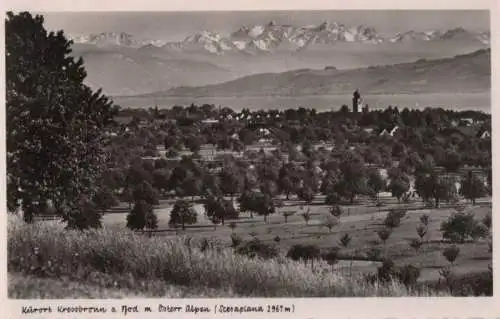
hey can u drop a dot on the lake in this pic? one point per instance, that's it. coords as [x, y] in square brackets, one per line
[456, 101]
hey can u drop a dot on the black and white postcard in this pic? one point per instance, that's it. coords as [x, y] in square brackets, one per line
[223, 159]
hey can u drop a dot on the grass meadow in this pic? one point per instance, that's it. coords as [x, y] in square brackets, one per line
[124, 264]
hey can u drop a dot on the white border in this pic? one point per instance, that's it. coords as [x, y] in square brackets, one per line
[305, 308]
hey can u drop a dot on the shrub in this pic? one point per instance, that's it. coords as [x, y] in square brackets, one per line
[235, 240]
[387, 271]
[303, 252]
[408, 275]
[345, 240]
[256, 248]
[479, 231]
[277, 239]
[393, 218]
[373, 254]
[451, 253]
[331, 255]
[336, 211]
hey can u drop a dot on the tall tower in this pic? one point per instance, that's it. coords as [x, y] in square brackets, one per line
[356, 98]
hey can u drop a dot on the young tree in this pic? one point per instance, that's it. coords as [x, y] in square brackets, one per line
[52, 119]
[330, 222]
[182, 213]
[451, 253]
[471, 187]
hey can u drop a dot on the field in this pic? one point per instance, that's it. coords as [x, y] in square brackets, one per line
[125, 264]
[360, 221]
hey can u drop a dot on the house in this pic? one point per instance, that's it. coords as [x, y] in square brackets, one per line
[210, 121]
[484, 135]
[389, 132]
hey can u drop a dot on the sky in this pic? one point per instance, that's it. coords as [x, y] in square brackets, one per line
[177, 25]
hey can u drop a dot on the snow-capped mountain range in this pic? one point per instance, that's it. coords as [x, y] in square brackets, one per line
[271, 37]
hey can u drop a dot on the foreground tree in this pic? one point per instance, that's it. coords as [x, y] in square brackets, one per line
[55, 124]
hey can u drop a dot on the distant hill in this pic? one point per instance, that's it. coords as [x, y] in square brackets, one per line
[462, 73]
[128, 71]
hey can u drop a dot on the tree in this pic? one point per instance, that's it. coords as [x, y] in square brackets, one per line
[433, 186]
[160, 179]
[52, 118]
[104, 199]
[384, 234]
[375, 181]
[306, 194]
[330, 222]
[398, 187]
[144, 191]
[451, 253]
[451, 161]
[142, 215]
[336, 211]
[471, 187]
[461, 226]
[219, 209]
[287, 214]
[182, 213]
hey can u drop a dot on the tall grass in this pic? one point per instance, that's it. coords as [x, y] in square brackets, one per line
[122, 259]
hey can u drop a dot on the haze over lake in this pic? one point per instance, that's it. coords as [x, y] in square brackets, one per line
[460, 101]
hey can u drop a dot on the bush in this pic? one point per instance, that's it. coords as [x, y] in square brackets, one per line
[235, 240]
[256, 248]
[393, 218]
[336, 211]
[331, 255]
[345, 240]
[303, 252]
[373, 254]
[451, 253]
[408, 275]
[387, 271]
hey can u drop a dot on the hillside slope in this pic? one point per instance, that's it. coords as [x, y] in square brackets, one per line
[462, 73]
